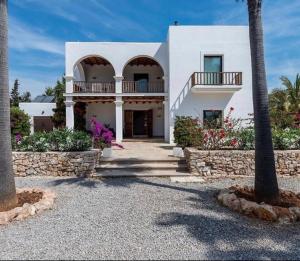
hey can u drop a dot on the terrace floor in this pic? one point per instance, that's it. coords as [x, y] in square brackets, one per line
[154, 149]
[144, 218]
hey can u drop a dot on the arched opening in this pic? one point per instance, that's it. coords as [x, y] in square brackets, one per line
[143, 74]
[144, 113]
[94, 74]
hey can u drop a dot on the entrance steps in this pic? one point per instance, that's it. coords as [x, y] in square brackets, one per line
[141, 168]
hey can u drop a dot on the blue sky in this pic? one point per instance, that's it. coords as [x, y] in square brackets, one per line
[38, 30]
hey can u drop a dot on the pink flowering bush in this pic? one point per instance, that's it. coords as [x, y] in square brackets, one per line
[222, 136]
[102, 136]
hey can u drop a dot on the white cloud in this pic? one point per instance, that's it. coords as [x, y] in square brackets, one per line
[23, 38]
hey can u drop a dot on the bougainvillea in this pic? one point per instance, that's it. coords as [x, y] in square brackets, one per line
[102, 136]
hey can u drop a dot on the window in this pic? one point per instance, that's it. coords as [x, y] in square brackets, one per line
[213, 69]
[212, 119]
[142, 80]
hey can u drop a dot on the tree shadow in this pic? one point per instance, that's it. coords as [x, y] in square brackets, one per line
[230, 235]
[84, 182]
[224, 233]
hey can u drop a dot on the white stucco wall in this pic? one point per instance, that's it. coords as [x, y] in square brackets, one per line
[105, 113]
[99, 73]
[180, 56]
[117, 53]
[187, 47]
[38, 109]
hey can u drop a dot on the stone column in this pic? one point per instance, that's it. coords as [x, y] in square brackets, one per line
[31, 121]
[119, 119]
[69, 83]
[118, 82]
[166, 119]
[69, 112]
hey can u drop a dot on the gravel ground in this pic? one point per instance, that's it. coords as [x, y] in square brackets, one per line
[144, 219]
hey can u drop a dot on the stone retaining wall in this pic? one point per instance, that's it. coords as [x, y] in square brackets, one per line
[81, 164]
[237, 162]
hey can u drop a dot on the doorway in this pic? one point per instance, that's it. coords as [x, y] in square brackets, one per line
[138, 123]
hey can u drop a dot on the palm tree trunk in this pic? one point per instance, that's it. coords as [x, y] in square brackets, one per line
[266, 186]
[8, 198]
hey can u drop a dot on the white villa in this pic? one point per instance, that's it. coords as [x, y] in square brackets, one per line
[138, 88]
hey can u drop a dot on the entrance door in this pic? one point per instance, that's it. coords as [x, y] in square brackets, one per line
[128, 124]
[141, 80]
[140, 123]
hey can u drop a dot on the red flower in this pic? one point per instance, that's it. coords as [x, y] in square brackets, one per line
[234, 142]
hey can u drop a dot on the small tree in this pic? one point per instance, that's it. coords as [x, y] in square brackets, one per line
[15, 95]
[25, 97]
[59, 117]
[49, 91]
[19, 122]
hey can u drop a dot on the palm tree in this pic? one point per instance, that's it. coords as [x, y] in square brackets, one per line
[293, 93]
[8, 198]
[266, 186]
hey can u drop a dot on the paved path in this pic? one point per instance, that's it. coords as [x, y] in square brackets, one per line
[144, 149]
[144, 219]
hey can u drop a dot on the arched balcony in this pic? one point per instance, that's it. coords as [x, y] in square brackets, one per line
[143, 75]
[94, 74]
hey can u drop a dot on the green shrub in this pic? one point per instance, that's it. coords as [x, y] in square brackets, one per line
[68, 140]
[57, 140]
[19, 122]
[245, 138]
[187, 132]
[38, 141]
[286, 139]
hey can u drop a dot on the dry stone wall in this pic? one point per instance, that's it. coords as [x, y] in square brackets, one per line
[237, 162]
[81, 164]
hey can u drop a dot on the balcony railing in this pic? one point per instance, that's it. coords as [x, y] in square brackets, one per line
[216, 78]
[143, 86]
[94, 87]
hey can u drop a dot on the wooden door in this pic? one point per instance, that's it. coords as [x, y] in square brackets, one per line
[150, 123]
[128, 124]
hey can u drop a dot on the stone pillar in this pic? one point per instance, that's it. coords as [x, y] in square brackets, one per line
[166, 120]
[166, 84]
[118, 82]
[69, 112]
[119, 119]
[69, 84]
[31, 121]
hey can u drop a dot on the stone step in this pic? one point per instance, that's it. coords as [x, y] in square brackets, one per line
[108, 173]
[142, 165]
[139, 161]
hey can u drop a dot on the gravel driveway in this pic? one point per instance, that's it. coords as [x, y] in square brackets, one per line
[144, 219]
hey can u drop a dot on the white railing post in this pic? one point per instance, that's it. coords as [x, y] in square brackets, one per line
[118, 80]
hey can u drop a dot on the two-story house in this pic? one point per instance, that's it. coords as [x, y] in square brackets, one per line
[138, 88]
